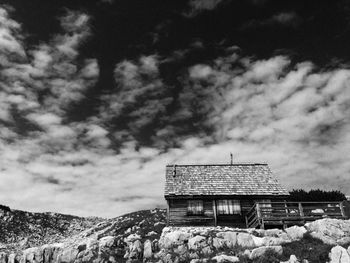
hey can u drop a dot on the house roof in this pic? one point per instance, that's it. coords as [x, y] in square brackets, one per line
[222, 179]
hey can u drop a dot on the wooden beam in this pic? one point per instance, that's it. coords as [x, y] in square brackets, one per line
[301, 211]
[342, 209]
[215, 214]
[168, 213]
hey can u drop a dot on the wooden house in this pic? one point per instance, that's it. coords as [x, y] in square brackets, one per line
[237, 195]
[218, 194]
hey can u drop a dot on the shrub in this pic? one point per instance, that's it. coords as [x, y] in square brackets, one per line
[5, 208]
[312, 249]
[316, 195]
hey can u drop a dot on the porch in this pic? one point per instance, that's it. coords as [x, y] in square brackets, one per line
[284, 214]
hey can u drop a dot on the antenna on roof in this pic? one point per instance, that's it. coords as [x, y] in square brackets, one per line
[231, 155]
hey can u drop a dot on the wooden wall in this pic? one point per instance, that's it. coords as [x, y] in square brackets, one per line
[177, 214]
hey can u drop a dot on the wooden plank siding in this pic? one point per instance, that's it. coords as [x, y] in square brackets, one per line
[177, 212]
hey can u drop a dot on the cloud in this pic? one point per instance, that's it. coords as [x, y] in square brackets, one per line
[282, 19]
[198, 6]
[292, 115]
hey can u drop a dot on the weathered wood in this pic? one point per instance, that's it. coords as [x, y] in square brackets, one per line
[287, 213]
[215, 213]
[342, 209]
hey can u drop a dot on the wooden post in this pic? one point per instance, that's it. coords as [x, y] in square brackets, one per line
[258, 212]
[301, 211]
[167, 212]
[285, 205]
[215, 215]
[342, 208]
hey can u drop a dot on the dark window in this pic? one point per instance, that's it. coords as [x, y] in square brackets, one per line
[195, 207]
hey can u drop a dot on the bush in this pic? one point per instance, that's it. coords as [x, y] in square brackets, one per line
[5, 208]
[312, 249]
[269, 257]
[316, 195]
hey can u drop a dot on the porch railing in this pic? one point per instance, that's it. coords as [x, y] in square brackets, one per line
[291, 212]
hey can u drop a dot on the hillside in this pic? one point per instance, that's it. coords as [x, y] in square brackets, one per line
[143, 237]
[20, 230]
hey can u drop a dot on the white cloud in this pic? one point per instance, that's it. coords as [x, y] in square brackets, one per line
[294, 117]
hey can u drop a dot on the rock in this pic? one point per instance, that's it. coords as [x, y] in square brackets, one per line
[3, 257]
[258, 252]
[218, 243]
[12, 258]
[230, 238]
[147, 249]
[135, 250]
[152, 233]
[329, 230]
[176, 237]
[182, 249]
[245, 240]
[225, 258]
[339, 254]
[247, 253]
[196, 242]
[343, 241]
[295, 232]
[132, 238]
[259, 241]
[292, 259]
[107, 241]
[68, 255]
[275, 241]
[207, 250]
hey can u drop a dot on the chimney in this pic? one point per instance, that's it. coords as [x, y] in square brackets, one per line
[231, 155]
[174, 170]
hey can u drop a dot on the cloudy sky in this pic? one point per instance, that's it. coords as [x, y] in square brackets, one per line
[97, 96]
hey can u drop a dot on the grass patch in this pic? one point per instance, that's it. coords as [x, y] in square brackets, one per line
[312, 249]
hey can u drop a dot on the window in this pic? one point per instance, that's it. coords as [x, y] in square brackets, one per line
[228, 207]
[265, 203]
[195, 207]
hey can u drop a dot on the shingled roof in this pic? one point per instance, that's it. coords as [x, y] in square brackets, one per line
[222, 179]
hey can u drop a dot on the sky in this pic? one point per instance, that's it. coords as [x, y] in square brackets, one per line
[97, 97]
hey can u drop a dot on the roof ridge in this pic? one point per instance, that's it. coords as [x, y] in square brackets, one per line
[219, 164]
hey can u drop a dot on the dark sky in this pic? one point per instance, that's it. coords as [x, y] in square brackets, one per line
[129, 86]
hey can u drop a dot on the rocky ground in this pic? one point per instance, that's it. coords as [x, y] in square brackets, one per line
[143, 237]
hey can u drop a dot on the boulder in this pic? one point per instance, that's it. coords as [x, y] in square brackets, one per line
[274, 241]
[292, 259]
[147, 249]
[173, 238]
[135, 250]
[229, 237]
[258, 252]
[3, 257]
[225, 258]
[107, 241]
[295, 232]
[218, 243]
[339, 254]
[329, 230]
[206, 250]
[196, 242]
[12, 258]
[68, 255]
[245, 240]
[132, 238]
